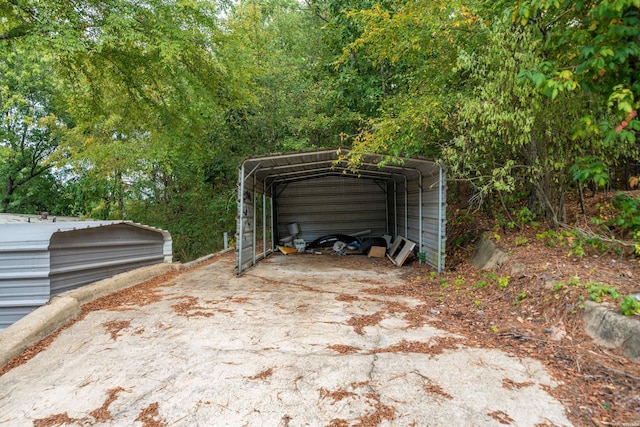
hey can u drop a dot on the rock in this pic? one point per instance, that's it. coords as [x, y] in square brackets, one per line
[557, 334]
[611, 329]
[487, 256]
[518, 269]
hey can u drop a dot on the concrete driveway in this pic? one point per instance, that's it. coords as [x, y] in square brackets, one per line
[294, 342]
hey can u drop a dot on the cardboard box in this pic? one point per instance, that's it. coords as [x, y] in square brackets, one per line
[377, 252]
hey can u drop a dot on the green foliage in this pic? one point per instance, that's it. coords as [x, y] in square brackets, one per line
[142, 110]
[503, 282]
[590, 169]
[519, 298]
[597, 291]
[459, 281]
[630, 306]
[31, 127]
[596, 46]
[481, 284]
[524, 216]
[627, 215]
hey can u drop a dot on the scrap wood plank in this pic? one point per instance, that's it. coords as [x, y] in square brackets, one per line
[403, 247]
[395, 245]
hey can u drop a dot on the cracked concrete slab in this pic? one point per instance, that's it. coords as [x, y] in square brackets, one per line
[277, 346]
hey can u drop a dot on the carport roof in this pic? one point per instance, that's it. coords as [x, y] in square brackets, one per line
[285, 167]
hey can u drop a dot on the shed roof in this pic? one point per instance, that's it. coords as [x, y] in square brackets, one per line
[297, 166]
[30, 236]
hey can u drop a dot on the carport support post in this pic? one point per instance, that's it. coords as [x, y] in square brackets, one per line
[264, 224]
[440, 221]
[420, 214]
[395, 208]
[386, 207]
[241, 218]
[255, 210]
[273, 211]
[406, 208]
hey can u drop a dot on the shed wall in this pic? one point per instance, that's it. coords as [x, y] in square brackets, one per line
[41, 260]
[85, 256]
[24, 282]
[332, 205]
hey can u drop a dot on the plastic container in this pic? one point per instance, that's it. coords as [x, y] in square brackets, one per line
[300, 244]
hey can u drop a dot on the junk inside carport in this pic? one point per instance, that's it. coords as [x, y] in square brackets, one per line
[323, 195]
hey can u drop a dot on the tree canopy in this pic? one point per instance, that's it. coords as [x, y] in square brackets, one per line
[143, 109]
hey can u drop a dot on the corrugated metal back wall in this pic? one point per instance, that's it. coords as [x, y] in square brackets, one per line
[332, 205]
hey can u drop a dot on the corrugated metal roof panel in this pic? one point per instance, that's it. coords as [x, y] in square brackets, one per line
[40, 260]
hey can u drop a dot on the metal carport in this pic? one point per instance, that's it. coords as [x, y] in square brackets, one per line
[324, 194]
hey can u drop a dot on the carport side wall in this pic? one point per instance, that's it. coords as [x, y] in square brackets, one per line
[333, 205]
[433, 217]
[245, 233]
[80, 257]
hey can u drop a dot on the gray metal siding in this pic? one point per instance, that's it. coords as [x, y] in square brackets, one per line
[332, 205]
[24, 283]
[245, 238]
[320, 191]
[40, 260]
[85, 256]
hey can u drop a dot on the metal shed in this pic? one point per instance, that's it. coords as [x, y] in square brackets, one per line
[321, 193]
[41, 260]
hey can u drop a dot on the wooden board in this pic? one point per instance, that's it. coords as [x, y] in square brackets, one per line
[400, 250]
[377, 252]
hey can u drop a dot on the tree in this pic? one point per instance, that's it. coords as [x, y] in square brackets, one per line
[596, 46]
[31, 122]
[511, 136]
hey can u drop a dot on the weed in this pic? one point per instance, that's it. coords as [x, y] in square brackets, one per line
[503, 282]
[550, 237]
[599, 290]
[627, 209]
[521, 296]
[558, 286]
[477, 303]
[494, 329]
[459, 281]
[630, 306]
[481, 284]
[521, 240]
[524, 215]
[491, 275]
[443, 284]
